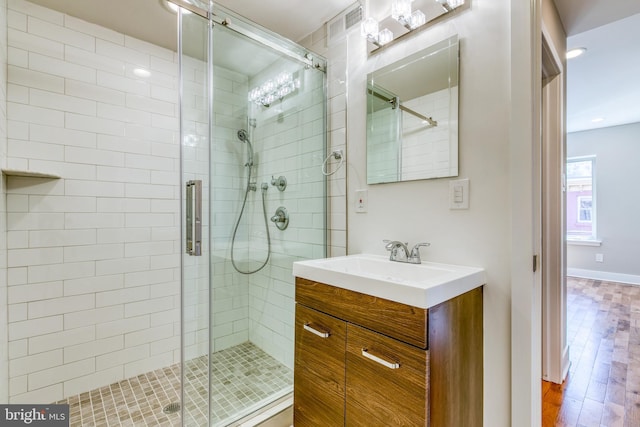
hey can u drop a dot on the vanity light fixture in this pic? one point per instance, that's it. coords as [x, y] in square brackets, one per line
[274, 89]
[402, 13]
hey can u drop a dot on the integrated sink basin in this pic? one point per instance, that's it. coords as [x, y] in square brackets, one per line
[420, 285]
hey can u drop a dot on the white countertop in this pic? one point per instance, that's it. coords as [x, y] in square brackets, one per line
[419, 285]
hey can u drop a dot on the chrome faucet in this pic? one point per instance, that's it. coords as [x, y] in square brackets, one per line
[400, 253]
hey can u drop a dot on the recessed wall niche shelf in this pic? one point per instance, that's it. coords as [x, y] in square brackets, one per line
[30, 174]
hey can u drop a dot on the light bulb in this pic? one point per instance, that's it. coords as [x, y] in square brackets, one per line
[417, 19]
[385, 36]
[268, 86]
[283, 78]
[369, 28]
[268, 99]
[401, 10]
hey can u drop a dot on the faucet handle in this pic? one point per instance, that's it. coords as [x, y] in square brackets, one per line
[416, 248]
[417, 245]
[390, 244]
[415, 252]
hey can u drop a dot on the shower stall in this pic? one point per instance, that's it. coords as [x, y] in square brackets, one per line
[253, 140]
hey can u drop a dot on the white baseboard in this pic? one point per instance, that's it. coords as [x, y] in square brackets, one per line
[604, 275]
[566, 363]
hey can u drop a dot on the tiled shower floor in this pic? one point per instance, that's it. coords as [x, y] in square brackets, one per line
[243, 379]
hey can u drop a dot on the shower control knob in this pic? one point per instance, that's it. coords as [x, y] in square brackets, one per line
[280, 182]
[281, 218]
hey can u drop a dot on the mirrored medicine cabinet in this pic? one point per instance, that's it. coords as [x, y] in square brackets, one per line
[412, 116]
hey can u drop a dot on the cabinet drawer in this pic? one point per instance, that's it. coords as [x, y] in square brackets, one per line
[319, 375]
[400, 321]
[387, 381]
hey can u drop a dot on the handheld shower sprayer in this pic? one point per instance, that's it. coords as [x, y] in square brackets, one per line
[243, 136]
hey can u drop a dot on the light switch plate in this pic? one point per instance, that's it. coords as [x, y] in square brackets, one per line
[459, 194]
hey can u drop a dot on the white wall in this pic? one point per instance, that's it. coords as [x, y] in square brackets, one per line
[617, 177]
[93, 256]
[4, 367]
[418, 211]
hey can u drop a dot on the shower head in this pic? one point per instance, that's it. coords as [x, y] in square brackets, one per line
[244, 137]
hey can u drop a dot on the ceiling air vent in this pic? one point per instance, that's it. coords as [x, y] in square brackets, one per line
[338, 26]
[353, 17]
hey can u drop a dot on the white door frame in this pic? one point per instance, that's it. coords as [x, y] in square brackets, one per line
[555, 349]
[525, 192]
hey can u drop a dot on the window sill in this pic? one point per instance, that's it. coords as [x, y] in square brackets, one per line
[576, 242]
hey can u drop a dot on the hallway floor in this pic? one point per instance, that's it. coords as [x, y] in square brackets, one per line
[603, 385]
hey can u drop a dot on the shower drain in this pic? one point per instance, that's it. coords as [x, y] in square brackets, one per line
[171, 408]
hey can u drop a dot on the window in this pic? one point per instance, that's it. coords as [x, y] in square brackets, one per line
[581, 199]
[584, 209]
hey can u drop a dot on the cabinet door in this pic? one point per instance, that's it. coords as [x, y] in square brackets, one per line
[387, 381]
[318, 388]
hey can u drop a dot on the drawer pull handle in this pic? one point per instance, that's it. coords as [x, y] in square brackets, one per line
[391, 365]
[321, 334]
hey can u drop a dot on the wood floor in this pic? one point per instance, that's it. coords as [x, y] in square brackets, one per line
[603, 386]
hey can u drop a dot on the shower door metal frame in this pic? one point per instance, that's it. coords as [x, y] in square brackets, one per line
[286, 47]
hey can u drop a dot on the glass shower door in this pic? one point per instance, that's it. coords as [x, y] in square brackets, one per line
[253, 129]
[194, 156]
[384, 135]
[268, 210]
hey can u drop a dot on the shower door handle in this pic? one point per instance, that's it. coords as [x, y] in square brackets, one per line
[194, 217]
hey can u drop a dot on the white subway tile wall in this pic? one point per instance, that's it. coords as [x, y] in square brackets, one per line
[195, 147]
[432, 159]
[230, 299]
[289, 135]
[337, 135]
[425, 151]
[93, 257]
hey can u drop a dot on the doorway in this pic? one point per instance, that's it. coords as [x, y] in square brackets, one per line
[555, 350]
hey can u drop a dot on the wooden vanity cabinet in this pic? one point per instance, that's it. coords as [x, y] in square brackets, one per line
[387, 381]
[383, 363]
[319, 368]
